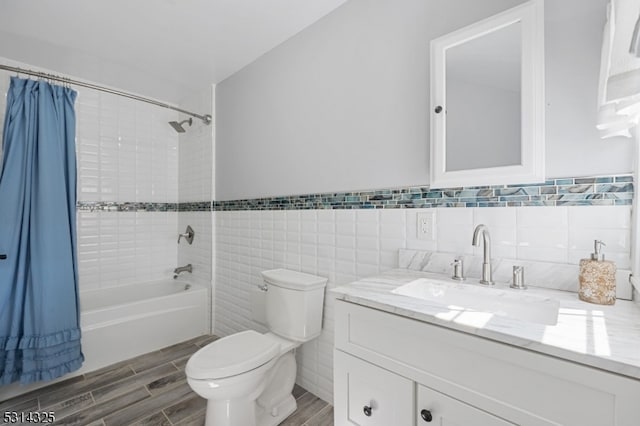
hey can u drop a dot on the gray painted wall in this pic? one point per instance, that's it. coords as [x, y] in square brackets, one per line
[343, 105]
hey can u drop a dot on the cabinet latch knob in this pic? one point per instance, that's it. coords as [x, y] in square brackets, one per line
[426, 415]
[367, 410]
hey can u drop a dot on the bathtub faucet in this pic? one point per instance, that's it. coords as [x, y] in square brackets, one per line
[180, 269]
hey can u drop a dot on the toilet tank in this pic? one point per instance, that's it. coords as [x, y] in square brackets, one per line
[294, 304]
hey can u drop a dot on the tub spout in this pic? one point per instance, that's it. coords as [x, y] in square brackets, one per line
[180, 269]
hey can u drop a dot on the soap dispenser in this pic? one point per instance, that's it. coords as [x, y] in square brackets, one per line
[597, 278]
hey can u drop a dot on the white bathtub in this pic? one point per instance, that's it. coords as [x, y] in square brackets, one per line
[123, 322]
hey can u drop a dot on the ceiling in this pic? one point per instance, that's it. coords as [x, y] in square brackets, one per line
[165, 49]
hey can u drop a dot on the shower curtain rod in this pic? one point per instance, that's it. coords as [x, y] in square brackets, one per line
[205, 118]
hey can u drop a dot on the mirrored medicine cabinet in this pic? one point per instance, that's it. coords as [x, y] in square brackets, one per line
[487, 101]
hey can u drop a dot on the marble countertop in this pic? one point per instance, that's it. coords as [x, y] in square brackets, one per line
[605, 337]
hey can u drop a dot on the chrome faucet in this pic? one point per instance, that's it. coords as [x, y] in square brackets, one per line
[180, 269]
[482, 230]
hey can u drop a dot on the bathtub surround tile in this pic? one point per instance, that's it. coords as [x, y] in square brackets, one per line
[118, 248]
[103, 398]
[195, 206]
[133, 206]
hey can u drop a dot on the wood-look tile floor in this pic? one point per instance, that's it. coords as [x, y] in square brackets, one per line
[150, 389]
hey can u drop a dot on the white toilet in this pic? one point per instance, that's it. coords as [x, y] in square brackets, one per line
[247, 377]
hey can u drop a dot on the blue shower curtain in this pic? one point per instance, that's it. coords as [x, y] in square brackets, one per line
[39, 315]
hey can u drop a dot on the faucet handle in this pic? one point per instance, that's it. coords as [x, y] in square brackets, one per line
[518, 278]
[188, 235]
[458, 269]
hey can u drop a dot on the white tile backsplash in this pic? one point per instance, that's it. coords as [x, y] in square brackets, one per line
[557, 238]
[603, 217]
[542, 217]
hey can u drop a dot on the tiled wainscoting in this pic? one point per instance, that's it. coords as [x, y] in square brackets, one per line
[345, 245]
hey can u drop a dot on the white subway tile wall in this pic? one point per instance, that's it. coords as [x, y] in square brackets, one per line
[345, 245]
[117, 248]
[195, 184]
[196, 148]
[199, 254]
[126, 152]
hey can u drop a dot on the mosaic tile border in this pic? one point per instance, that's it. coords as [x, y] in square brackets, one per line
[109, 206]
[583, 191]
[200, 206]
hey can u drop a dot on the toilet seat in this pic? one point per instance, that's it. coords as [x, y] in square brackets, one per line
[232, 355]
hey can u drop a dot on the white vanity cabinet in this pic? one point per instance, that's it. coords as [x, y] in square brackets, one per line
[373, 396]
[400, 366]
[435, 408]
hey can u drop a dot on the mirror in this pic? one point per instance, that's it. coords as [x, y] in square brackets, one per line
[487, 101]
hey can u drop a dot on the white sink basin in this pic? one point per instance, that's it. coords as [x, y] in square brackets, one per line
[516, 304]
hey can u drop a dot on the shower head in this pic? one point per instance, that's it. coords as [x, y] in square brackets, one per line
[178, 126]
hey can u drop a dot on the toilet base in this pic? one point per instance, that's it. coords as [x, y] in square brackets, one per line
[231, 412]
[245, 412]
[277, 414]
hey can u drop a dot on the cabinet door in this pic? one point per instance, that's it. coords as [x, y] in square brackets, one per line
[435, 408]
[367, 395]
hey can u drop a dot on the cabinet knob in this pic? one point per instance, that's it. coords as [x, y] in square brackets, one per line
[367, 410]
[3, 256]
[426, 415]
[438, 109]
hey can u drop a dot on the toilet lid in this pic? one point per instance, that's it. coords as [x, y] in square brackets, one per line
[232, 355]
